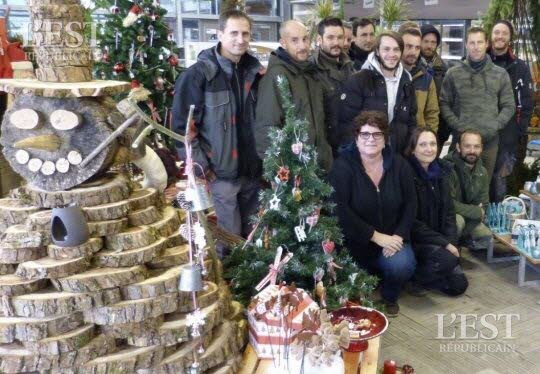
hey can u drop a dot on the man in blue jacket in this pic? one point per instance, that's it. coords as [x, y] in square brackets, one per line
[223, 87]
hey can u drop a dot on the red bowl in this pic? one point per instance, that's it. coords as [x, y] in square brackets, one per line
[379, 324]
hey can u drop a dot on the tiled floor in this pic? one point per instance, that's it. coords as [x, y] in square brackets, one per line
[421, 338]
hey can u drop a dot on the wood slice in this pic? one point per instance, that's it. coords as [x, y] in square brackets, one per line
[14, 212]
[107, 212]
[126, 360]
[100, 279]
[132, 238]
[13, 285]
[132, 257]
[87, 249]
[236, 312]
[33, 329]
[6, 269]
[169, 224]
[65, 74]
[205, 298]
[159, 284]
[25, 119]
[132, 310]
[54, 57]
[232, 366]
[111, 189]
[99, 346]
[39, 221]
[125, 330]
[175, 240]
[175, 329]
[171, 257]
[144, 216]
[66, 342]
[51, 268]
[104, 228]
[48, 303]
[12, 255]
[19, 236]
[143, 198]
[105, 297]
[14, 358]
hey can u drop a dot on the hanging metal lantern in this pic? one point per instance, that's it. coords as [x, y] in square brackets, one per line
[191, 279]
[199, 196]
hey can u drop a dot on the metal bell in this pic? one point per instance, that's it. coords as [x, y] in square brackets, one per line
[199, 197]
[191, 279]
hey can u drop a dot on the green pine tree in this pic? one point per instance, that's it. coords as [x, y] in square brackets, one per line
[137, 46]
[303, 195]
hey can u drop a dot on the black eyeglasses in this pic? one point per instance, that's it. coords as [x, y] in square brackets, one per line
[376, 135]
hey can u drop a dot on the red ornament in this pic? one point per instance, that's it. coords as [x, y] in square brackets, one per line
[173, 60]
[389, 367]
[135, 83]
[283, 173]
[119, 67]
[328, 246]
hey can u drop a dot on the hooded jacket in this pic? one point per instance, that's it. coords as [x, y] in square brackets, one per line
[363, 208]
[358, 56]
[435, 221]
[520, 76]
[427, 102]
[481, 100]
[308, 98]
[368, 90]
[206, 84]
[469, 187]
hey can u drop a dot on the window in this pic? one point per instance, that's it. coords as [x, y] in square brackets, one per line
[260, 7]
[170, 5]
[200, 6]
[264, 32]
[19, 24]
[190, 30]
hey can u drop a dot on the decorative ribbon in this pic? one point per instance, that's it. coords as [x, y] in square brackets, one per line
[278, 264]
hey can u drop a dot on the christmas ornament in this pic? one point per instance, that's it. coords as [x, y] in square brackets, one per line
[328, 246]
[116, 39]
[106, 57]
[159, 83]
[155, 17]
[300, 231]
[195, 320]
[331, 267]
[297, 148]
[313, 219]
[191, 279]
[135, 83]
[200, 237]
[320, 292]
[151, 32]
[114, 9]
[278, 264]
[173, 60]
[141, 38]
[133, 15]
[118, 67]
[274, 203]
[160, 57]
[259, 243]
[296, 191]
[283, 173]
[170, 37]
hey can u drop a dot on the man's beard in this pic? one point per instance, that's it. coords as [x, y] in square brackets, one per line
[467, 160]
[381, 62]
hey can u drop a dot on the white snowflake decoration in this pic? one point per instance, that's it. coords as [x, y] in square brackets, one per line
[200, 238]
[195, 320]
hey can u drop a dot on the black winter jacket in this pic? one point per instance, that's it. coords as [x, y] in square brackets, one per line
[207, 85]
[366, 90]
[358, 56]
[435, 221]
[520, 76]
[363, 208]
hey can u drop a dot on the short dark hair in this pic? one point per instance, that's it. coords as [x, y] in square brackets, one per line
[476, 30]
[372, 118]
[327, 22]
[408, 25]
[232, 13]
[391, 34]
[469, 132]
[347, 25]
[361, 23]
[411, 31]
[415, 135]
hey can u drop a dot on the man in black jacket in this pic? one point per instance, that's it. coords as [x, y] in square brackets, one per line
[222, 85]
[364, 37]
[513, 137]
[382, 85]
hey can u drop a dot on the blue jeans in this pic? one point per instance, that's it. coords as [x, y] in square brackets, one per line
[395, 271]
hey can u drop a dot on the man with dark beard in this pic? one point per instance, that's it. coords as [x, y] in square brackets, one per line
[513, 137]
[382, 85]
[364, 35]
[469, 189]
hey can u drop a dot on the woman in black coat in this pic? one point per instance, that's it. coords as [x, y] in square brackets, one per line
[376, 205]
[433, 234]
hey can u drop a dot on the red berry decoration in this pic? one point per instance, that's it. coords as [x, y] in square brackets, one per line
[173, 60]
[135, 83]
[328, 246]
[119, 67]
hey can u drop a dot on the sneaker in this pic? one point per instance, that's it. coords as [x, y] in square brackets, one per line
[416, 289]
[391, 309]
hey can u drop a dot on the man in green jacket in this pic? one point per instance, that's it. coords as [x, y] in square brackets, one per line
[291, 62]
[469, 189]
[478, 94]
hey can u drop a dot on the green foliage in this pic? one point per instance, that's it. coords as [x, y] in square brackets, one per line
[391, 11]
[153, 65]
[498, 9]
[321, 10]
[247, 266]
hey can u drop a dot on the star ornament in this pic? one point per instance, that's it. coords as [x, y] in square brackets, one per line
[274, 203]
[283, 173]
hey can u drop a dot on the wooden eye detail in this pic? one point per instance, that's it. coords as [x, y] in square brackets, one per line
[64, 120]
[25, 119]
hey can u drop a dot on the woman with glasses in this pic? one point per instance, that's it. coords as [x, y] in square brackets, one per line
[376, 205]
[434, 235]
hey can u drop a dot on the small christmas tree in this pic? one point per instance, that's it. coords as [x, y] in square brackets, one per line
[293, 216]
[136, 45]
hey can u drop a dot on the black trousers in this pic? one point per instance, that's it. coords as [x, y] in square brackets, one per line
[439, 269]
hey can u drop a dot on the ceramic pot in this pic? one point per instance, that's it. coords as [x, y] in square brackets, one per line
[69, 227]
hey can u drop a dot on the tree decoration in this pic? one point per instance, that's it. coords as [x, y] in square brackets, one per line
[284, 218]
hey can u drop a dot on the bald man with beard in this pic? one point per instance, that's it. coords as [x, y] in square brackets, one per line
[291, 62]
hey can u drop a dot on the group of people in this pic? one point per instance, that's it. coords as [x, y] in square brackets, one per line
[379, 109]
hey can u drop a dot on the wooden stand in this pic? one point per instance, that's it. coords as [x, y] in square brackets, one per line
[251, 364]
